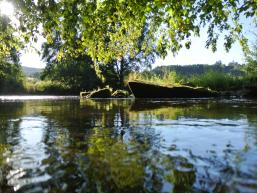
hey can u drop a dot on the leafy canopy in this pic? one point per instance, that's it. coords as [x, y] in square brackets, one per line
[109, 30]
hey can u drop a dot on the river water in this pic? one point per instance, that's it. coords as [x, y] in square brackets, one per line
[59, 144]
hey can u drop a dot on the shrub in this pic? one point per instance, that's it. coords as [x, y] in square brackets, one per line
[34, 86]
[216, 81]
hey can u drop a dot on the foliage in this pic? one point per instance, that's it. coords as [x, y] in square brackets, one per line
[9, 36]
[11, 75]
[251, 62]
[11, 78]
[76, 72]
[117, 36]
[216, 81]
[34, 86]
[232, 68]
[110, 30]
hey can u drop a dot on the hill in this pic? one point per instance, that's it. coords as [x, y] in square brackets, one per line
[199, 69]
[31, 72]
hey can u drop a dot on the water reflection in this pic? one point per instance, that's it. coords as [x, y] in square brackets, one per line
[128, 146]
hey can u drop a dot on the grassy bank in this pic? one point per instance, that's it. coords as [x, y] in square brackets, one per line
[217, 81]
[213, 80]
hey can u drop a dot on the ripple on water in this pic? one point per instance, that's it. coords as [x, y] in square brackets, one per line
[27, 155]
[68, 147]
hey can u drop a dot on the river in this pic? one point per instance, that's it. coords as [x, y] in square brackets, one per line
[63, 144]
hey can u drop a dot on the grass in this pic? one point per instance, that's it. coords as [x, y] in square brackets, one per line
[35, 86]
[216, 81]
[167, 79]
[213, 80]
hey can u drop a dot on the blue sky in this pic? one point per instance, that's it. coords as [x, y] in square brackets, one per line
[198, 54]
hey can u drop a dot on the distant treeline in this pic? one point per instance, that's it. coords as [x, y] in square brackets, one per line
[234, 69]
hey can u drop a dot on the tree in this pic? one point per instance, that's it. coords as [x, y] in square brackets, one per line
[9, 41]
[76, 72]
[109, 30]
[251, 62]
[11, 77]
[66, 69]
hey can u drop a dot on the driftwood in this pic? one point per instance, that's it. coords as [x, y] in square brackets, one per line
[120, 94]
[104, 93]
[100, 93]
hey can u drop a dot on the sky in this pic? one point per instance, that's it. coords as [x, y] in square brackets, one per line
[197, 54]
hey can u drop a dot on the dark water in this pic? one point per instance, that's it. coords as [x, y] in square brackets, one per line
[67, 145]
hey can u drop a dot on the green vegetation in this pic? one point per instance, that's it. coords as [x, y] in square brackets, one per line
[215, 80]
[34, 86]
[167, 79]
[11, 78]
[92, 44]
[111, 30]
[232, 68]
[11, 75]
[251, 61]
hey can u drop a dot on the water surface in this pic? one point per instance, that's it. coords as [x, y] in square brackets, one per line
[68, 145]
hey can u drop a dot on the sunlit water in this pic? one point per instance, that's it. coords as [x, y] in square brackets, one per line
[60, 144]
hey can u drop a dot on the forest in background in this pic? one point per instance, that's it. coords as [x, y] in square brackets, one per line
[71, 79]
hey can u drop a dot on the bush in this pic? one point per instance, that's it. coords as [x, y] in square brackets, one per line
[34, 86]
[216, 81]
[11, 78]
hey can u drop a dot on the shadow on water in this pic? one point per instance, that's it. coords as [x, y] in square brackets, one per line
[128, 146]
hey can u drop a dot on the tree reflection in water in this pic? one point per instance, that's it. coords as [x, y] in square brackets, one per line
[128, 146]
